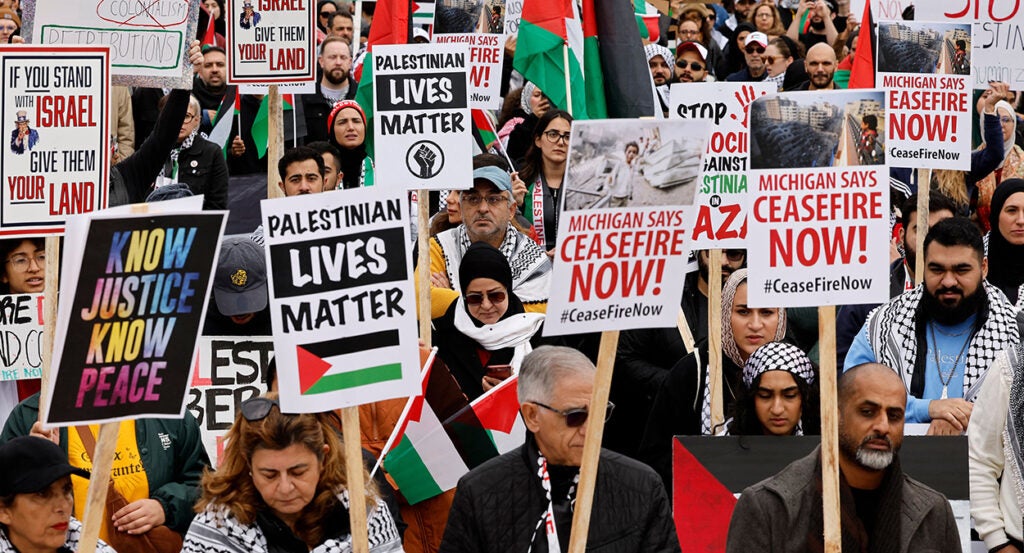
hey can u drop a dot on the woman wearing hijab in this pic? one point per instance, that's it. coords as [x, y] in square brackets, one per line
[1011, 166]
[779, 395]
[487, 327]
[346, 131]
[1006, 240]
[683, 405]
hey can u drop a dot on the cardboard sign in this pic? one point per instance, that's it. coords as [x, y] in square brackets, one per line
[422, 115]
[622, 234]
[229, 370]
[341, 298]
[136, 288]
[148, 40]
[270, 42]
[57, 142]
[720, 207]
[924, 68]
[21, 336]
[997, 48]
[513, 13]
[884, 9]
[819, 210]
[454, 24]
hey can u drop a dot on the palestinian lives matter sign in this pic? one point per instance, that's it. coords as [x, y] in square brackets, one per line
[136, 290]
[997, 51]
[21, 336]
[228, 371]
[481, 27]
[148, 39]
[270, 41]
[421, 115]
[720, 207]
[622, 235]
[341, 298]
[56, 152]
[819, 200]
[924, 68]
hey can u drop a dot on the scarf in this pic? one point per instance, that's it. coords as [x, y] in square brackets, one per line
[175, 152]
[1007, 144]
[524, 100]
[1005, 261]
[779, 356]
[893, 336]
[512, 332]
[1013, 433]
[74, 534]
[548, 518]
[531, 269]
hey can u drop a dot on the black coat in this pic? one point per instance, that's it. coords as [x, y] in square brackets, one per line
[203, 168]
[317, 109]
[131, 180]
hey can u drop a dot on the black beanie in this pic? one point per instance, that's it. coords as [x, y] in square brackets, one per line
[483, 260]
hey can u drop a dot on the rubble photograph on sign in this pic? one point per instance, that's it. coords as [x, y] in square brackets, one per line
[924, 47]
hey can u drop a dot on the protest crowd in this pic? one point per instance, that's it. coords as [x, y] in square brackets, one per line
[942, 355]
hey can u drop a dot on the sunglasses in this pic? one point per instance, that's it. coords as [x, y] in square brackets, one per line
[735, 255]
[257, 408]
[476, 298]
[574, 418]
[694, 66]
[326, 14]
[770, 60]
[755, 49]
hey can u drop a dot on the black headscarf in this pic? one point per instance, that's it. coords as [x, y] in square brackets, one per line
[483, 260]
[1005, 261]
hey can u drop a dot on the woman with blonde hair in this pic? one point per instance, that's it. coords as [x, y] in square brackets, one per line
[766, 19]
[281, 487]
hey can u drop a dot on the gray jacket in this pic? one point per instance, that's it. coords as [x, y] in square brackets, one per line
[774, 515]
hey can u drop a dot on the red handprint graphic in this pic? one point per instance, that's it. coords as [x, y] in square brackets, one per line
[746, 96]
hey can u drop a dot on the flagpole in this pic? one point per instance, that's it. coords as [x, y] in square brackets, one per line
[295, 126]
[357, 29]
[568, 84]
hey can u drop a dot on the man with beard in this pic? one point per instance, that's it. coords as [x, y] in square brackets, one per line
[818, 27]
[335, 84]
[659, 59]
[691, 63]
[820, 64]
[901, 273]
[882, 509]
[941, 337]
[753, 51]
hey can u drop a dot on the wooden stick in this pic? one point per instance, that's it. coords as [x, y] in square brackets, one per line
[684, 330]
[592, 442]
[354, 475]
[96, 498]
[275, 141]
[924, 189]
[357, 28]
[50, 294]
[568, 81]
[829, 429]
[715, 341]
[423, 262]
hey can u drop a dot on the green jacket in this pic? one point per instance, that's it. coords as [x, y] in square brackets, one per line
[173, 467]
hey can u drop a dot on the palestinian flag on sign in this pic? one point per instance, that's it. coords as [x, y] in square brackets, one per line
[423, 12]
[391, 25]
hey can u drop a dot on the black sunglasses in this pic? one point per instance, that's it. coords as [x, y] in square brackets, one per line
[754, 48]
[476, 298]
[574, 418]
[694, 66]
[326, 14]
[257, 408]
[735, 255]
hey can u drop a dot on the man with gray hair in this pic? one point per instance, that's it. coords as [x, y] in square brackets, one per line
[524, 499]
[882, 508]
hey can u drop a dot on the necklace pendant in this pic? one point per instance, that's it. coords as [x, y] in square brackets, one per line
[945, 392]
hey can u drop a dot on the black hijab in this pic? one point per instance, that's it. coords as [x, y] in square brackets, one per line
[1005, 261]
[483, 260]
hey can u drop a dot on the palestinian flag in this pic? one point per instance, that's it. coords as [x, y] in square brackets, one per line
[863, 73]
[622, 61]
[210, 36]
[423, 12]
[485, 135]
[230, 107]
[647, 20]
[261, 123]
[391, 25]
[546, 30]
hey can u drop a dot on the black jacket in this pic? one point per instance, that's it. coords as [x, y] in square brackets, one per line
[498, 504]
[203, 168]
[317, 108]
[131, 180]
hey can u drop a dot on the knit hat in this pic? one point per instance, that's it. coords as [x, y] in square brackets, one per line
[8, 13]
[483, 260]
[777, 356]
[654, 49]
[240, 283]
[338, 106]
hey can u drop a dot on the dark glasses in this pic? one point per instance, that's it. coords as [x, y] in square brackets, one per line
[735, 255]
[476, 298]
[257, 408]
[574, 418]
[326, 14]
[694, 66]
[755, 48]
[770, 60]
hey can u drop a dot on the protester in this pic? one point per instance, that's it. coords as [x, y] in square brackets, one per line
[779, 395]
[449, 216]
[995, 454]
[281, 486]
[695, 26]
[683, 404]
[766, 19]
[820, 65]
[659, 59]
[691, 63]
[335, 85]
[24, 272]
[340, 24]
[10, 24]
[196, 161]
[36, 499]
[753, 49]
[881, 507]
[543, 169]
[240, 306]
[324, 9]
[777, 58]
[1006, 241]
[533, 104]
[523, 500]
[735, 59]
[1012, 165]
[818, 27]
[947, 331]
[332, 163]
[347, 124]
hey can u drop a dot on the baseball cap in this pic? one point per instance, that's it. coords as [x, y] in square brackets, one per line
[31, 464]
[758, 37]
[494, 175]
[240, 283]
[694, 46]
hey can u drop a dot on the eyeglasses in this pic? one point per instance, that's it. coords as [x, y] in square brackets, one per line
[770, 60]
[21, 262]
[189, 117]
[257, 408]
[754, 48]
[683, 32]
[476, 298]
[326, 14]
[574, 418]
[765, 15]
[1005, 119]
[493, 200]
[554, 136]
[735, 255]
[694, 66]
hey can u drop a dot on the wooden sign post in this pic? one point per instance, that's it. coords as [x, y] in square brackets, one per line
[354, 475]
[715, 308]
[829, 429]
[96, 498]
[275, 140]
[924, 190]
[50, 295]
[423, 263]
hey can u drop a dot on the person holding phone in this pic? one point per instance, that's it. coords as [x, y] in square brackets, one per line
[485, 334]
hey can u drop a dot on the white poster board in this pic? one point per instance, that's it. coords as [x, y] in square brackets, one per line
[21, 336]
[270, 42]
[997, 52]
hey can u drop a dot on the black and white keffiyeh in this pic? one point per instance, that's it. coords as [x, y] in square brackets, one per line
[1013, 433]
[892, 336]
[531, 269]
[777, 356]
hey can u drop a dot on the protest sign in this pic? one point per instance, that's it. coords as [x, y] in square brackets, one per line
[513, 13]
[883, 9]
[995, 52]
[422, 116]
[720, 206]
[454, 24]
[21, 336]
[818, 227]
[270, 41]
[228, 371]
[136, 288]
[341, 298]
[148, 40]
[56, 160]
[924, 70]
[622, 238]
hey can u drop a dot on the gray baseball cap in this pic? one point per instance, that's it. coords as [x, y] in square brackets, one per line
[240, 283]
